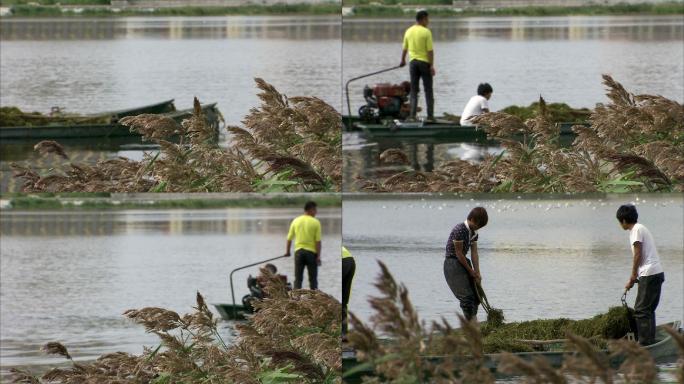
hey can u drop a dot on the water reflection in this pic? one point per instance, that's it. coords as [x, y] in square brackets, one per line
[641, 28]
[228, 27]
[228, 222]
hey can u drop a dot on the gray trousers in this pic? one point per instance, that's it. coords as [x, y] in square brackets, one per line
[648, 296]
[421, 70]
[462, 285]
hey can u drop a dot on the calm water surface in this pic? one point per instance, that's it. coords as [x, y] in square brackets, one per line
[543, 258]
[560, 58]
[69, 276]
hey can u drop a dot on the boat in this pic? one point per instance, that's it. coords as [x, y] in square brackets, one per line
[114, 129]
[162, 107]
[232, 312]
[439, 129]
[665, 350]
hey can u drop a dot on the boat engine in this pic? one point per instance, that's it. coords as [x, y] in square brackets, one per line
[386, 100]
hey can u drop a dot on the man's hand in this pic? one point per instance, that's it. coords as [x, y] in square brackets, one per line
[287, 254]
[403, 63]
[630, 283]
[318, 261]
[432, 70]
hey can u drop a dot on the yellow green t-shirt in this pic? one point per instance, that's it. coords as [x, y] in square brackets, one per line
[418, 42]
[307, 231]
[345, 253]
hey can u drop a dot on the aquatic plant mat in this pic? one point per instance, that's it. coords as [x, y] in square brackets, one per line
[397, 347]
[286, 145]
[14, 117]
[294, 337]
[635, 144]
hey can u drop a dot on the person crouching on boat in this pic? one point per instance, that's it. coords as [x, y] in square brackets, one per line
[646, 271]
[477, 104]
[257, 285]
[461, 274]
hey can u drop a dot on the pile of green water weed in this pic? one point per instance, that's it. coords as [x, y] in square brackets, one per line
[15, 117]
[611, 325]
[558, 112]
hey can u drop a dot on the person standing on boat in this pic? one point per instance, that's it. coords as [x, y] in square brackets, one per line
[418, 45]
[306, 229]
[460, 272]
[348, 270]
[477, 104]
[646, 271]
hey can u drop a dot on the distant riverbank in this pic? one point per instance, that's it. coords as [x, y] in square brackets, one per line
[22, 10]
[443, 8]
[95, 201]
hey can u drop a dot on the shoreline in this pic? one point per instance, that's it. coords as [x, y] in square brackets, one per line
[361, 9]
[16, 202]
[297, 9]
[348, 9]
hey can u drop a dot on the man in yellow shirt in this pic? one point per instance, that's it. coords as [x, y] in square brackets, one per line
[306, 229]
[418, 44]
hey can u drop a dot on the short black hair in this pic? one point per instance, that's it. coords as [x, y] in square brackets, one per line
[484, 88]
[479, 216]
[420, 15]
[309, 205]
[271, 268]
[627, 213]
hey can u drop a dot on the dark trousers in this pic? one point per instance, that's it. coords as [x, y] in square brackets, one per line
[421, 70]
[648, 296]
[348, 270]
[462, 285]
[304, 258]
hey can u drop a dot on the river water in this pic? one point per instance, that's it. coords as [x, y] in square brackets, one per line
[559, 58]
[94, 65]
[68, 276]
[539, 258]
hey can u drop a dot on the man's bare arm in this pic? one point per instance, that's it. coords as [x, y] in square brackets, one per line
[287, 248]
[636, 250]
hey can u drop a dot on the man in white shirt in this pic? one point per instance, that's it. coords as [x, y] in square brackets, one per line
[646, 270]
[477, 104]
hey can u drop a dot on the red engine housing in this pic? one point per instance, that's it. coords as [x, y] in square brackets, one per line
[392, 90]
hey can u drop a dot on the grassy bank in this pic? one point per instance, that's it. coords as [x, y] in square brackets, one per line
[436, 8]
[79, 201]
[277, 9]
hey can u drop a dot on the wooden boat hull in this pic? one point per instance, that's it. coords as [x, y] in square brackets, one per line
[232, 312]
[54, 132]
[664, 350]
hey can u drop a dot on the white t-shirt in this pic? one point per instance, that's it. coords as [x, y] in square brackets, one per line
[475, 107]
[650, 262]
